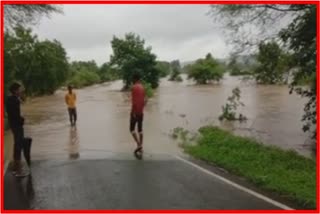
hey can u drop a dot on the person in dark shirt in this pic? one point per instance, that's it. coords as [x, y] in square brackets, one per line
[16, 122]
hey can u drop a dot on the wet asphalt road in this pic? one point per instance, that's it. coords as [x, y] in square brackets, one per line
[152, 183]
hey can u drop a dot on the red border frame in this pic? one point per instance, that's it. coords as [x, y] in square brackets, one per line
[157, 2]
[317, 3]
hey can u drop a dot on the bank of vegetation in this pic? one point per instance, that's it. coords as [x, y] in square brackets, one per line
[285, 173]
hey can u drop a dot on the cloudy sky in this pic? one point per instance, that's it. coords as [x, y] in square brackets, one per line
[182, 32]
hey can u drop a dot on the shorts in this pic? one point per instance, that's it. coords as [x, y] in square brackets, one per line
[137, 119]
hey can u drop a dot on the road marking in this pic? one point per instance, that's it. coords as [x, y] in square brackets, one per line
[251, 192]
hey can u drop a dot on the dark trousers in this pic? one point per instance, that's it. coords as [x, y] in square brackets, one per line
[21, 143]
[18, 137]
[72, 115]
[136, 119]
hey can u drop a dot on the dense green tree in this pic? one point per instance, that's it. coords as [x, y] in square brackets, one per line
[130, 56]
[88, 65]
[107, 73]
[205, 70]
[17, 16]
[84, 73]
[164, 68]
[41, 66]
[49, 68]
[84, 77]
[273, 63]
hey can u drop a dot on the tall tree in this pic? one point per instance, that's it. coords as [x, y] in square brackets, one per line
[40, 65]
[131, 56]
[205, 70]
[164, 68]
[273, 63]
[17, 16]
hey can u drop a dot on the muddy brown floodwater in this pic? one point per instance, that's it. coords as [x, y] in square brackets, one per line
[274, 117]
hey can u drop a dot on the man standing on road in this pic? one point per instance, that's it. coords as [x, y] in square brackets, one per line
[70, 99]
[136, 117]
[16, 122]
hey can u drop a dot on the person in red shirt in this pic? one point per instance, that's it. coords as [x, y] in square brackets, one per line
[136, 117]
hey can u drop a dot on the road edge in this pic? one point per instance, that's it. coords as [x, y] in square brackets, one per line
[232, 183]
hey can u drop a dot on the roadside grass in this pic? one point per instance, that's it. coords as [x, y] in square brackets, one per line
[268, 167]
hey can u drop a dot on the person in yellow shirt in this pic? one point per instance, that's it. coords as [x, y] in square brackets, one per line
[71, 99]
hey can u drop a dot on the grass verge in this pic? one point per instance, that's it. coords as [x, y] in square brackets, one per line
[285, 172]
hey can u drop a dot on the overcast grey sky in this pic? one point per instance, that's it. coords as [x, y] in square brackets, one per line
[182, 32]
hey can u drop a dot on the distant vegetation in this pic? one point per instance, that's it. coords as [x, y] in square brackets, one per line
[206, 70]
[87, 73]
[241, 65]
[164, 68]
[175, 71]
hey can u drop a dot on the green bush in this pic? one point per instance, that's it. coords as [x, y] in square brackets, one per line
[84, 78]
[107, 73]
[205, 70]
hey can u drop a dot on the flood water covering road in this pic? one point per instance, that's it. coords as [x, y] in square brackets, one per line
[274, 117]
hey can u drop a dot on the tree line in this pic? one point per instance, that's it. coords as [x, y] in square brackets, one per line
[42, 66]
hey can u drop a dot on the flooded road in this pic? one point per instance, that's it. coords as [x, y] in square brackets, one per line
[103, 119]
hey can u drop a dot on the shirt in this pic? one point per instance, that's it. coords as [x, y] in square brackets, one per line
[71, 100]
[13, 111]
[137, 94]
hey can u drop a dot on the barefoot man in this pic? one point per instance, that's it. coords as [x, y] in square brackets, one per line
[136, 117]
[70, 99]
